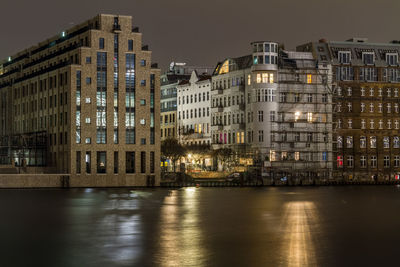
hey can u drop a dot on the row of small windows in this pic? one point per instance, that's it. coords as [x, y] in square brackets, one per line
[228, 119]
[130, 162]
[102, 44]
[370, 74]
[41, 123]
[372, 142]
[388, 92]
[194, 113]
[370, 107]
[227, 83]
[261, 78]
[265, 47]
[194, 97]
[229, 138]
[195, 128]
[373, 161]
[372, 125]
[297, 155]
[35, 105]
[368, 58]
[297, 97]
[226, 101]
[50, 83]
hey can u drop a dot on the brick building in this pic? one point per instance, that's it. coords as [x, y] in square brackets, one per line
[84, 103]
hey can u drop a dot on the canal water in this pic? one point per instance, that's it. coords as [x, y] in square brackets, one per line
[281, 226]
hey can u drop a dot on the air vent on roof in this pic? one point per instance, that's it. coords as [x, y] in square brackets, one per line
[395, 42]
[136, 29]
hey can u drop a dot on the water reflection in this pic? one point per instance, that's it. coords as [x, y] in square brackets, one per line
[181, 236]
[298, 246]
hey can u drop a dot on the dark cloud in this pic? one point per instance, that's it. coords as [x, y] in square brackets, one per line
[203, 32]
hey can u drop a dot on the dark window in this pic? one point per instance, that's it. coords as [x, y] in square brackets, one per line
[101, 162]
[130, 45]
[88, 60]
[115, 162]
[152, 166]
[88, 80]
[78, 162]
[101, 43]
[143, 162]
[130, 162]
[143, 62]
[143, 141]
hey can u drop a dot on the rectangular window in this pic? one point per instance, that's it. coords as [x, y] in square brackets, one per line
[101, 43]
[101, 162]
[130, 162]
[78, 162]
[115, 161]
[152, 162]
[88, 162]
[143, 162]
[309, 78]
[130, 45]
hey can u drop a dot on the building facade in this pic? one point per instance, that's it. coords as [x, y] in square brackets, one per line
[274, 107]
[366, 106]
[194, 123]
[85, 103]
[177, 73]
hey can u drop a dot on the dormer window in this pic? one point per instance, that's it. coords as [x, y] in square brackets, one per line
[392, 59]
[368, 58]
[344, 57]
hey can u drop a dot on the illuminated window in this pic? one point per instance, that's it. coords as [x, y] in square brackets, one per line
[296, 155]
[224, 67]
[249, 79]
[309, 117]
[309, 78]
[396, 142]
[372, 141]
[297, 116]
[258, 78]
[386, 142]
[349, 142]
[340, 161]
[242, 137]
[340, 141]
[271, 78]
[272, 155]
[363, 142]
[265, 77]
[363, 161]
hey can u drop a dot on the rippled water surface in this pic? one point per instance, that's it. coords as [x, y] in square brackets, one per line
[299, 226]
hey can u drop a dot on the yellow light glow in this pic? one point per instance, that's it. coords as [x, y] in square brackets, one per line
[258, 78]
[309, 117]
[224, 67]
[271, 78]
[265, 77]
[249, 79]
[297, 115]
[309, 78]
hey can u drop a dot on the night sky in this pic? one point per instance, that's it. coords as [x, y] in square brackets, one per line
[204, 32]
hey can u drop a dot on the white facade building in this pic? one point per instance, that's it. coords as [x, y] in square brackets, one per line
[275, 107]
[194, 123]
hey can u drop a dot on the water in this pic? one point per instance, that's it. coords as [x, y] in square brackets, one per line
[299, 226]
